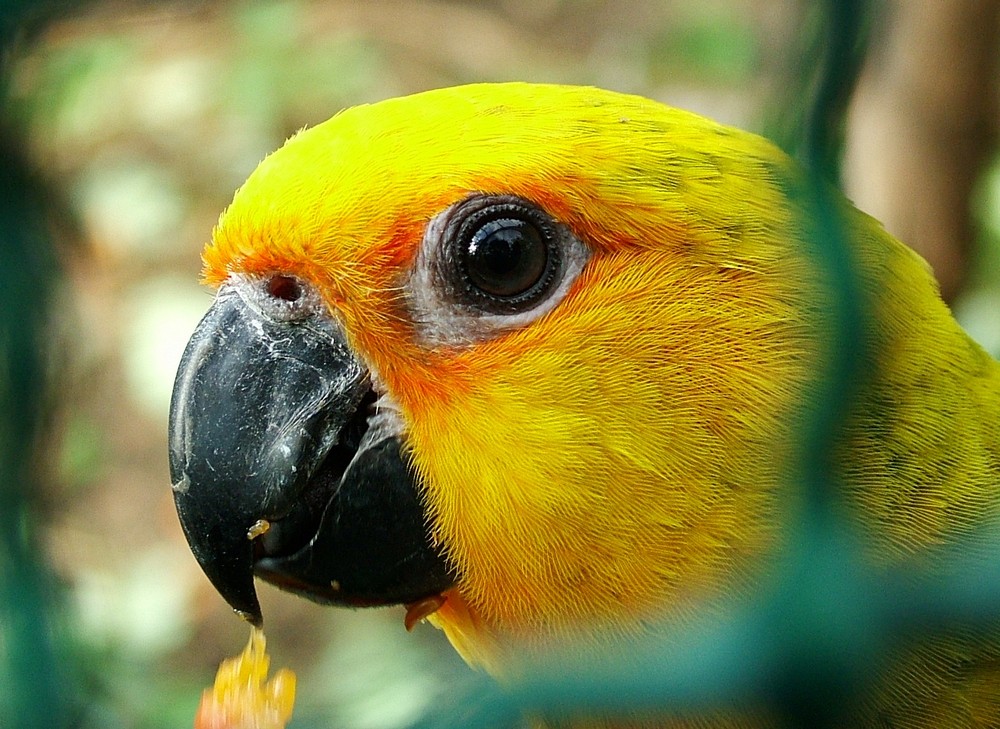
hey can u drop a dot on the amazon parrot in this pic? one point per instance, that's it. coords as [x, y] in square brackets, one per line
[533, 360]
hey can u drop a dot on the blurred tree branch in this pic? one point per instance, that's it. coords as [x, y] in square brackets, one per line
[924, 126]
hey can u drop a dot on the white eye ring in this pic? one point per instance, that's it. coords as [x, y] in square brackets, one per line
[447, 309]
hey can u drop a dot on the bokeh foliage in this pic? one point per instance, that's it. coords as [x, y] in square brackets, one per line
[144, 118]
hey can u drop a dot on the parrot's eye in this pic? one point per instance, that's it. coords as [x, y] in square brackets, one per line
[490, 263]
[507, 262]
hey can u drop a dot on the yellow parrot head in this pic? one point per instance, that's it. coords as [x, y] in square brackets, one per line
[534, 349]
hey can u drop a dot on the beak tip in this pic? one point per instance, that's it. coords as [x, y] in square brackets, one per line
[235, 583]
[254, 617]
[225, 556]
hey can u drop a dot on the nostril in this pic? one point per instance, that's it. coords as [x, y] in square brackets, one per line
[285, 288]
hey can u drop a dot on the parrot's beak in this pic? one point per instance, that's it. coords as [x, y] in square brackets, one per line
[282, 467]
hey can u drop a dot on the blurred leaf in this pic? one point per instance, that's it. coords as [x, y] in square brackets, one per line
[986, 266]
[82, 452]
[708, 48]
[65, 82]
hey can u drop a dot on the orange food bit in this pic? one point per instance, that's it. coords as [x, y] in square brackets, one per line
[417, 611]
[242, 697]
[258, 529]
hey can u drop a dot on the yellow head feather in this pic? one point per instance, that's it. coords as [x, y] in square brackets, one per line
[625, 454]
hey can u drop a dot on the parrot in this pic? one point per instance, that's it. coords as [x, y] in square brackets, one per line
[532, 360]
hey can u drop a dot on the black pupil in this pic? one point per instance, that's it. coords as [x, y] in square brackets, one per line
[506, 257]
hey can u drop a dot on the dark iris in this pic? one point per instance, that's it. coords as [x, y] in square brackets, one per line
[502, 254]
[506, 257]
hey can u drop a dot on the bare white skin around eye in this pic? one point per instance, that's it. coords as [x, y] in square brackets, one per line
[443, 317]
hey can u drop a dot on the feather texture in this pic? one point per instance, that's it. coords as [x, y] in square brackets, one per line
[623, 458]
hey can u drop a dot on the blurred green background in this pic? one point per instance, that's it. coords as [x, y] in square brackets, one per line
[143, 118]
